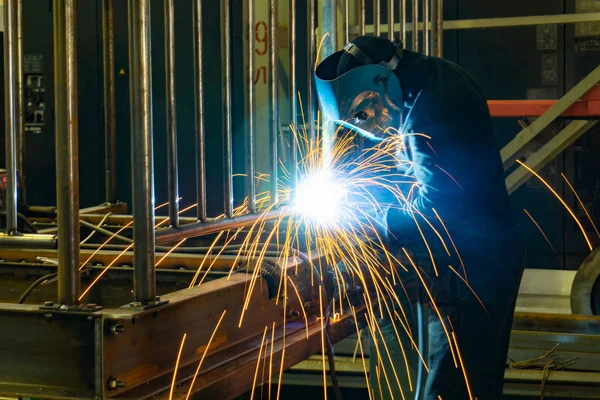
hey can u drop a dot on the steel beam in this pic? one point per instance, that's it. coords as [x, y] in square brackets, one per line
[548, 152]
[249, 104]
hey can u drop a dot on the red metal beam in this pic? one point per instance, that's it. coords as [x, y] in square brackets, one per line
[588, 106]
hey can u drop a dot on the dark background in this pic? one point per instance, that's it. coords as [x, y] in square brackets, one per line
[506, 62]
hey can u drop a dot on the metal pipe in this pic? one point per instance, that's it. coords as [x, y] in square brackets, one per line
[226, 106]
[273, 109]
[346, 25]
[415, 25]
[199, 114]
[402, 18]
[142, 161]
[426, 27]
[377, 16]
[20, 102]
[10, 109]
[172, 168]
[293, 90]
[390, 10]
[194, 230]
[67, 148]
[27, 240]
[438, 22]
[361, 18]
[310, 109]
[110, 136]
[249, 105]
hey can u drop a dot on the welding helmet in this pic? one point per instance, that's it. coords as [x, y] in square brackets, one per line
[366, 98]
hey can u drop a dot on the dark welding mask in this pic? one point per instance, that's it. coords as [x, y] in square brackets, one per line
[366, 99]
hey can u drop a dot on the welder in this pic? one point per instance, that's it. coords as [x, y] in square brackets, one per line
[376, 88]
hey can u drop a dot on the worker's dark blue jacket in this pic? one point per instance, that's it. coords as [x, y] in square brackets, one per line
[457, 166]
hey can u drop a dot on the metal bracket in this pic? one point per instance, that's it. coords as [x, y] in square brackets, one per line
[137, 305]
[70, 309]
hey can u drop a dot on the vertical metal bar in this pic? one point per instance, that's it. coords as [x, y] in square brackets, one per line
[110, 138]
[310, 109]
[361, 17]
[403, 22]
[434, 26]
[199, 114]
[273, 109]
[377, 16]
[390, 11]
[10, 109]
[346, 25]
[142, 161]
[67, 158]
[426, 27]
[226, 105]
[172, 168]
[249, 104]
[20, 101]
[293, 90]
[328, 25]
[415, 25]
[438, 23]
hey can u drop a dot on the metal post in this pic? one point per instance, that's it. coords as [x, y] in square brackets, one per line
[273, 109]
[310, 109]
[437, 28]
[10, 109]
[20, 101]
[142, 161]
[110, 138]
[426, 27]
[377, 16]
[403, 22]
[361, 17]
[328, 25]
[67, 157]
[172, 169]
[415, 25]
[199, 114]
[249, 104]
[346, 25]
[226, 105]
[293, 91]
[390, 10]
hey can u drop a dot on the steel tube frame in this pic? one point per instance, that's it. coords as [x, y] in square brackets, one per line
[310, 106]
[172, 167]
[140, 83]
[110, 135]
[199, 114]
[377, 16]
[402, 21]
[390, 11]
[249, 105]
[346, 22]
[361, 18]
[273, 99]
[415, 25]
[67, 157]
[11, 112]
[226, 106]
[293, 89]
[426, 25]
[20, 102]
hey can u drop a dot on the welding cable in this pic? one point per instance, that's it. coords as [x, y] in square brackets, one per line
[93, 231]
[35, 284]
